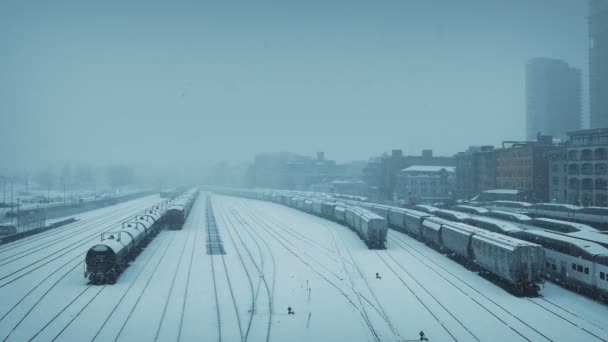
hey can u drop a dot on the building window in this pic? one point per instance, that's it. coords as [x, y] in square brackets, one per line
[547, 265]
[554, 267]
[579, 268]
[602, 275]
[586, 270]
[574, 267]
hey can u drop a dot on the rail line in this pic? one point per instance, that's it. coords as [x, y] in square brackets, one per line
[242, 262]
[409, 288]
[183, 310]
[82, 241]
[274, 235]
[172, 286]
[566, 320]
[34, 238]
[133, 283]
[401, 244]
[87, 226]
[260, 267]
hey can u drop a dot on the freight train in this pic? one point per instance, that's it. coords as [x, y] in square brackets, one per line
[108, 258]
[513, 263]
[178, 210]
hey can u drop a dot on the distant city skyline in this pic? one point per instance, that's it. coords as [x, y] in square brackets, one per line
[169, 84]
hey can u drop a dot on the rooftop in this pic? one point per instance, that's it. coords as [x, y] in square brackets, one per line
[428, 168]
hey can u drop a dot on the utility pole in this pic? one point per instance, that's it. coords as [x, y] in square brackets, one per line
[12, 200]
[64, 191]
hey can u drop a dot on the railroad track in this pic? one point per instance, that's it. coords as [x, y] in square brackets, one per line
[243, 265]
[171, 287]
[553, 312]
[444, 271]
[426, 307]
[18, 304]
[194, 246]
[256, 216]
[34, 238]
[85, 227]
[370, 325]
[259, 267]
[275, 235]
[61, 252]
[122, 327]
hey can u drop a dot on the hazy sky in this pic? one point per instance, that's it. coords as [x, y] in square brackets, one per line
[210, 81]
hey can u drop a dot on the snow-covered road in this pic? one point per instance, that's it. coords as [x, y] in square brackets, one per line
[276, 257]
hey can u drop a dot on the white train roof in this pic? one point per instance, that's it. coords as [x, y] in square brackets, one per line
[579, 226]
[588, 246]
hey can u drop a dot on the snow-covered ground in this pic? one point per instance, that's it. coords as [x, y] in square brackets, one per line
[276, 257]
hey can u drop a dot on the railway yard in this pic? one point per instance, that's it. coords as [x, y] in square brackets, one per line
[238, 267]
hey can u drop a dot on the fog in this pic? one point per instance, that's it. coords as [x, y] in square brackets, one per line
[177, 86]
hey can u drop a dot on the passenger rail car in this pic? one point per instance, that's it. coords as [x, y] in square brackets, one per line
[574, 263]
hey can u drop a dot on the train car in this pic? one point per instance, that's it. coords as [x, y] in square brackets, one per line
[508, 216]
[598, 216]
[557, 226]
[456, 239]
[554, 210]
[516, 263]
[493, 225]
[374, 229]
[574, 263]
[425, 208]
[451, 215]
[106, 259]
[308, 206]
[413, 222]
[431, 231]
[467, 209]
[340, 213]
[595, 237]
[178, 211]
[396, 218]
[512, 206]
[327, 209]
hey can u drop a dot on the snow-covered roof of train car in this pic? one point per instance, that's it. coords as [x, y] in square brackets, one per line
[457, 214]
[603, 211]
[595, 237]
[415, 212]
[427, 207]
[555, 206]
[579, 226]
[590, 247]
[521, 217]
[478, 210]
[522, 204]
[506, 241]
[504, 226]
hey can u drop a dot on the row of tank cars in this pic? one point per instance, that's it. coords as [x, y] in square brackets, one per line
[576, 255]
[107, 258]
[370, 227]
[512, 263]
